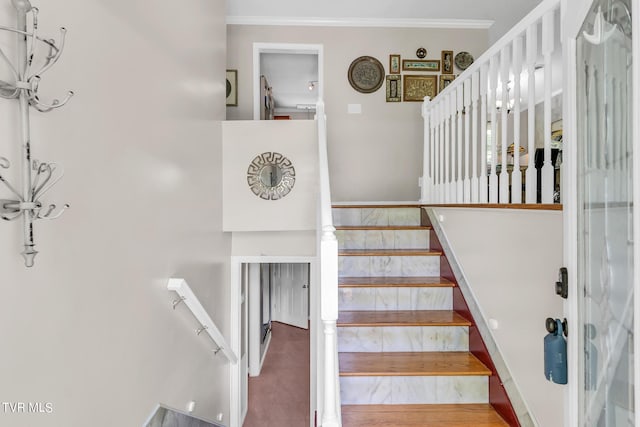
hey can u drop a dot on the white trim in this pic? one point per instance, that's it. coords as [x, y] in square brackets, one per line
[635, 46]
[235, 417]
[473, 24]
[292, 48]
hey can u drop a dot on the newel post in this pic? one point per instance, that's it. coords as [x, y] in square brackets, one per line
[329, 315]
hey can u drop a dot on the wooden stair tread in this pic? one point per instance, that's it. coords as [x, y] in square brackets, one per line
[434, 415]
[383, 227]
[394, 281]
[436, 363]
[376, 206]
[388, 252]
[402, 318]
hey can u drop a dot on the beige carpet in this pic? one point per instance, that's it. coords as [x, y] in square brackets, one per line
[279, 396]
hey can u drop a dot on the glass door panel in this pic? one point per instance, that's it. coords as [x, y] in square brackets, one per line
[605, 211]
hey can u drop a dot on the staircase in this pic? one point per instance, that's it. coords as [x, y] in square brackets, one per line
[404, 355]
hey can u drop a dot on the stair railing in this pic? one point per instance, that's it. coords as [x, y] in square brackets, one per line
[472, 118]
[328, 253]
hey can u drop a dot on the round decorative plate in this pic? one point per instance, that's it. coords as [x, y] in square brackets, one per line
[463, 60]
[366, 74]
[421, 52]
[271, 176]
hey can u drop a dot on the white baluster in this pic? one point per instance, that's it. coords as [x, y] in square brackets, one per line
[436, 154]
[547, 49]
[484, 181]
[516, 175]
[467, 140]
[531, 186]
[504, 121]
[427, 182]
[454, 171]
[475, 94]
[442, 149]
[493, 84]
[447, 149]
[432, 152]
[459, 108]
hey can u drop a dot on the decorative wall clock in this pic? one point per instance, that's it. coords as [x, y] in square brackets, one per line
[271, 176]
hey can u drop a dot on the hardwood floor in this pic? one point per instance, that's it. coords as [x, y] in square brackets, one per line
[458, 415]
[455, 363]
[390, 281]
[388, 252]
[402, 318]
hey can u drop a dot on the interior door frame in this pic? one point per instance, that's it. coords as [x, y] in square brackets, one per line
[291, 48]
[236, 417]
[573, 13]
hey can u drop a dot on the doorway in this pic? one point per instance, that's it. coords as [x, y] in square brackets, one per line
[272, 302]
[287, 80]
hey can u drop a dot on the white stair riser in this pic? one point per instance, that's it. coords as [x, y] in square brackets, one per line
[382, 299]
[383, 239]
[377, 390]
[403, 338]
[369, 266]
[376, 216]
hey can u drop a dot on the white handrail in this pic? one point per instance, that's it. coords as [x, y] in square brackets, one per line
[328, 252]
[478, 93]
[187, 296]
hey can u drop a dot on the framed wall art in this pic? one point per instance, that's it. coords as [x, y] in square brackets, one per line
[394, 88]
[366, 74]
[445, 80]
[420, 65]
[416, 87]
[232, 88]
[394, 64]
[447, 62]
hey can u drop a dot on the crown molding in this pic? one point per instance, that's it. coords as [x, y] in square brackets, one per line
[475, 24]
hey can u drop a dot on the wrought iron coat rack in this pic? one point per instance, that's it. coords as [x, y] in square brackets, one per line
[37, 177]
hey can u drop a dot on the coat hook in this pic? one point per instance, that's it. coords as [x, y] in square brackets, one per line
[217, 350]
[177, 301]
[199, 331]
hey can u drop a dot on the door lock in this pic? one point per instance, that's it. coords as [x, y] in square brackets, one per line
[562, 285]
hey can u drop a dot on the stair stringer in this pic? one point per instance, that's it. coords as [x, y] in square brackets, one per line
[503, 391]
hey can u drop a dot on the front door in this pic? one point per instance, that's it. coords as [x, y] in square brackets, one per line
[605, 249]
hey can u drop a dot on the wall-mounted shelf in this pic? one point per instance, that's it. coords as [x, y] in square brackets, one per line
[187, 296]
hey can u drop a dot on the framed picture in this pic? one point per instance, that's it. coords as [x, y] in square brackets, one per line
[394, 64]
[447, 62]
[445, 80]
[420, 65]
[232, 88]
[415, 87]
[394, 88]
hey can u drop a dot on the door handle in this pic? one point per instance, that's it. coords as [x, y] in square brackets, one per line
[305, 286]
[562, 285]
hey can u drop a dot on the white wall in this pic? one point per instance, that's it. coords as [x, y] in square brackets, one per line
[510, 259]
[242, 142]
[376, 155]
[90, 328]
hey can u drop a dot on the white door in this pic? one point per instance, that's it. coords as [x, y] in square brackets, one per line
[290, 294]
[244, 342]
[604, 213]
